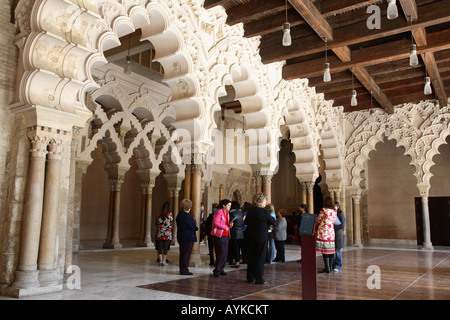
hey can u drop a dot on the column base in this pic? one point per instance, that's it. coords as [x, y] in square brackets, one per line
[427, 246]
[144, 244]
[196, 260]
[358, 244]
[21, 293]
[112, 245]
[48, 278]
[26, 280]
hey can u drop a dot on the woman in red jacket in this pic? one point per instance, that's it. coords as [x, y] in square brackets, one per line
[221, 225]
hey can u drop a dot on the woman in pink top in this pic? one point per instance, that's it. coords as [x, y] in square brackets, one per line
[221, 225]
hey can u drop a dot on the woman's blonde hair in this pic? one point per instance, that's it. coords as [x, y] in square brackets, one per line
[258, 199]
[186, 205]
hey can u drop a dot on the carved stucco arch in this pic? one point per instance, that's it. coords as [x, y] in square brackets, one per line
[332, 157]
[125, 116]
[229, 68]
[65, 41]
[301, 131]
[413, 126]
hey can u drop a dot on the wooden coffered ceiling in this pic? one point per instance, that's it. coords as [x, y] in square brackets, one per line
[378, 58]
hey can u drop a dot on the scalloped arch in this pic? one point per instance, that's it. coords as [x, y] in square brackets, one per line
[306, 161]
[87, 30]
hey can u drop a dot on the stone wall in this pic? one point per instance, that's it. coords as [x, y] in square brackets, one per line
[9, 226]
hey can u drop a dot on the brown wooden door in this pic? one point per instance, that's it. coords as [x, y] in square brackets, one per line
[439, 208]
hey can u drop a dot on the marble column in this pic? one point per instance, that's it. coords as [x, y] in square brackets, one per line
[71, 203]
[174, 192]
[196, 197]
[80, 172]
[187, 182]
[267, 187]
[335, 194]
[258, 182]
[112, 240]
[303, 199]
[27, 273]
[424, 191]
[357, 220]
[47, 246]
[145, 239]
[221, 192]
[310, 195]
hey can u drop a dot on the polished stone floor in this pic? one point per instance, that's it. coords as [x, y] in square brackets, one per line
[132, 274]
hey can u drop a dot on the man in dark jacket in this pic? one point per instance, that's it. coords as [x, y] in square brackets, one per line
[258, 221]
[186, 235]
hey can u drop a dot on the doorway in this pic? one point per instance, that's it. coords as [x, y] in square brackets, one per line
[439, 208]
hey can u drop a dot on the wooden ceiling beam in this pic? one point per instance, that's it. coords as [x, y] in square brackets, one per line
[403, 75]
[254, 10]
[272, 24]
[409, 8]
[367, 81]
[317, 22]
[432, 14]
[338, 77]
[346, 93]
[436, 81]
[368, 56]
[214, 3]
[313, 17]
[324, 87]
[411, 13]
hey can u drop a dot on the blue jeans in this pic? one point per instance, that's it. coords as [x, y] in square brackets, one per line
[338, 259]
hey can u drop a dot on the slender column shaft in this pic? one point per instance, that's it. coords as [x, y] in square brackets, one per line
[426, 224]
[175, 212]
[113, 241]
[196, 199]
[267, 187]
[148, 217]
[187, 182]
[309, 186]
[357, 220]
[47, 246]
[304, 194]
[26, 274]
[71, 204]
[258, 182]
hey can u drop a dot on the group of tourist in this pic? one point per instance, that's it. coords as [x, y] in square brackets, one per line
[253, 232]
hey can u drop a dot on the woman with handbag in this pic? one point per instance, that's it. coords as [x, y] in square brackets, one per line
[164, 235]
[325, 233]
[220, 231]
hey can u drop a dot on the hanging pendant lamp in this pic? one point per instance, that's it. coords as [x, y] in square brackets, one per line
[326, 66]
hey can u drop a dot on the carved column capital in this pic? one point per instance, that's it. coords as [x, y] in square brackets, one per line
[309, 186]
[196, 168]
[76, 133]
[424, 189]
[115, 184]
[39, 138]
[266, 180]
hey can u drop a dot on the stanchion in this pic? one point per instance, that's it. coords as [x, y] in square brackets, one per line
[309, 274]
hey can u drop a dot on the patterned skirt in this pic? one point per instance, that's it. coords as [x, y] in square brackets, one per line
[325, 246]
